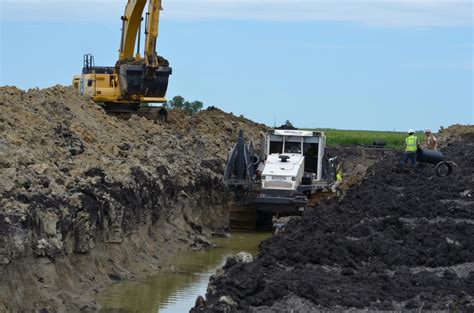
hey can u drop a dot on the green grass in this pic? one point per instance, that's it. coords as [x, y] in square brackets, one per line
[365, 137]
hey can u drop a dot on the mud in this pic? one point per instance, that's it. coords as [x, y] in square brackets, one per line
[88, 199]
[402, 239]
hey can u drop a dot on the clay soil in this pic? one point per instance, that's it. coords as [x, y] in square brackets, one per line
[401, 240]
[88, 199]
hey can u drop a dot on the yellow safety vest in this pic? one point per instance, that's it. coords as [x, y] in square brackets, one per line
[411, 143]
[339, 176]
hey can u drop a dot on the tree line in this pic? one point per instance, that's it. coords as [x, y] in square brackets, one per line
[179, 103]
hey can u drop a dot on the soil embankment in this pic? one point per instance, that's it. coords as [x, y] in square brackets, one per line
[402, 239]
[88, 199]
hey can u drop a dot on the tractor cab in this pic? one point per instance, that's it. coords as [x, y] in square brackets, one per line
[291, 169]
[293, 158]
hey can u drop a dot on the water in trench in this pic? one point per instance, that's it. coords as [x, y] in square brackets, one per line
[175, 288]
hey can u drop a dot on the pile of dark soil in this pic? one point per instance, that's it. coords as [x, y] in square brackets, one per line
[403, 239]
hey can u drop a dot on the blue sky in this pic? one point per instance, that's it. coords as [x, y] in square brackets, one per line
[348, 64]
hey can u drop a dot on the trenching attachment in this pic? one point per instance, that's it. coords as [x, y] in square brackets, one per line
[240, 167]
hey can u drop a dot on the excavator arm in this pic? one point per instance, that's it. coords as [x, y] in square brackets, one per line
[131, 26]
[154, 8]
[141, 79]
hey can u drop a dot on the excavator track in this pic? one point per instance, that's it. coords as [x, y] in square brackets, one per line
[158, 114]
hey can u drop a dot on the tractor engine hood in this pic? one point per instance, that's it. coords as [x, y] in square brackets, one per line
[282, 171]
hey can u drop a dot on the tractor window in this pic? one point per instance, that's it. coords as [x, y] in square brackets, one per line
[310, 149]
[311, 157]
[293, 147]
[276, 147]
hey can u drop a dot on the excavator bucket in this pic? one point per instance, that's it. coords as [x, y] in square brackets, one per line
[140, 80]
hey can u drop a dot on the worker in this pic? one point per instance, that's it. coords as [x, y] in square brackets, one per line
[335, 186]
[411, 145]
[338, 173]
[431, 141]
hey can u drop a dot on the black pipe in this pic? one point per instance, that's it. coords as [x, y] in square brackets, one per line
[429, 156]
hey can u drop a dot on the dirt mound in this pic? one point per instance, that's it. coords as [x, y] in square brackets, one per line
[86, 196]
[455, 132]
[403, 239]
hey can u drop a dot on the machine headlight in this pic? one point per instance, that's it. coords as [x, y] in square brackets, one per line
[293, 178]
[263, 177]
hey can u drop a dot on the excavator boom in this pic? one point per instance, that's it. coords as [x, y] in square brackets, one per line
[131, 21]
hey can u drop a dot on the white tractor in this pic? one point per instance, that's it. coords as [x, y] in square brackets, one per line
[291, 169]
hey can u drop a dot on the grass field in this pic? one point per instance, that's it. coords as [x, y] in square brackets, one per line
[366, 137]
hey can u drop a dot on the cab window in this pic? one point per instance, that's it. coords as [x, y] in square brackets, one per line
[292, 147]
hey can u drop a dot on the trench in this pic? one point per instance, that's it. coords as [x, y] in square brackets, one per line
[176, 287]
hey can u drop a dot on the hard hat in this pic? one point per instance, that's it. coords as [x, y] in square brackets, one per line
[427, 130]
[411, 131]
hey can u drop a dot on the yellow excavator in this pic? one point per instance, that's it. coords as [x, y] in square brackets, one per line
[135, 79]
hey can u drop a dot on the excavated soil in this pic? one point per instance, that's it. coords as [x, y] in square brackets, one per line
[403, 239]
[88, 199]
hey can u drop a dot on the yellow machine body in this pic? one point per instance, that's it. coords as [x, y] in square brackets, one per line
[100, 87]
[104, 88]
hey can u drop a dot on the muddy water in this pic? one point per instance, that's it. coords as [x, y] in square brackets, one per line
[174, 290]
